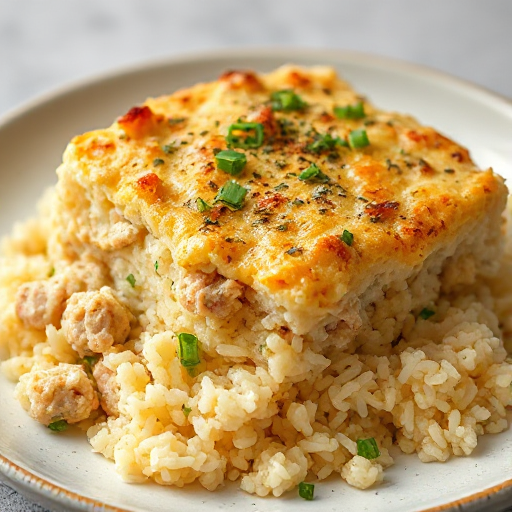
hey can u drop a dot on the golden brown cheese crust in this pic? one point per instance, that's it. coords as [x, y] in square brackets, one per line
[402, 197]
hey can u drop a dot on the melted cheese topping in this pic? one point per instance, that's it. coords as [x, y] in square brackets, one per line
[405, 195]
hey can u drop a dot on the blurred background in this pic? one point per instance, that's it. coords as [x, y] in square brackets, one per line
[45, 44]
[51, 43]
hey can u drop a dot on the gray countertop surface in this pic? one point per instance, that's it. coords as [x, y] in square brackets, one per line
[44, 45]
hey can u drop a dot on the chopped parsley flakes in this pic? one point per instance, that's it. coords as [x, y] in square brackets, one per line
[131, 279]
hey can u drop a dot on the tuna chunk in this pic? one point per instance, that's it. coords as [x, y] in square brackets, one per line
[108, 388]
[40, 303]
[210, 295]
[64, 392]
[94, 321]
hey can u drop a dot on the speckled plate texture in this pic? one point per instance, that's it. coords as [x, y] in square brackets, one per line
[60, 471]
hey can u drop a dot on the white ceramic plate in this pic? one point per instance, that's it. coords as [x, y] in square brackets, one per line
[59, 470]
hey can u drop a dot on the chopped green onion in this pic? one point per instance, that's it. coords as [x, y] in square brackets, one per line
[58, 426]
[306, 491]
[449, 171]
[358, 139]
[297, 202]
[313, 172]
[282, 227]
[156, 266]
[245, 135]
[90, 360]
[281, 186]
[186, 410]
[368, 448]
[232, 195]
[355, 111]
[347, 237]
[287, 100]
[231, 161]
[51, 273]
[188, 350]
[202, 205]
[426, 313]
[131, 280]
[324, 142]
[157, 161]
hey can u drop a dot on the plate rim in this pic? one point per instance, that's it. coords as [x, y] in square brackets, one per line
[28, 483]
[55, 92]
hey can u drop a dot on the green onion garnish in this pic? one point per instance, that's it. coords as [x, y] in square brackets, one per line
[245, 135]
[156, 266]
[313, 173]
[188, 351]
[90, 360]
[157, 161]
[287, 100]
[58, 426]
[230, 161]
[306, 491]
[324, 142]
[131, 280]
[355, 111]
[368, 448]
[202, 205]
[358, 139]
[347, 237]
[232, 195]
[186, 410]
[426, 313]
